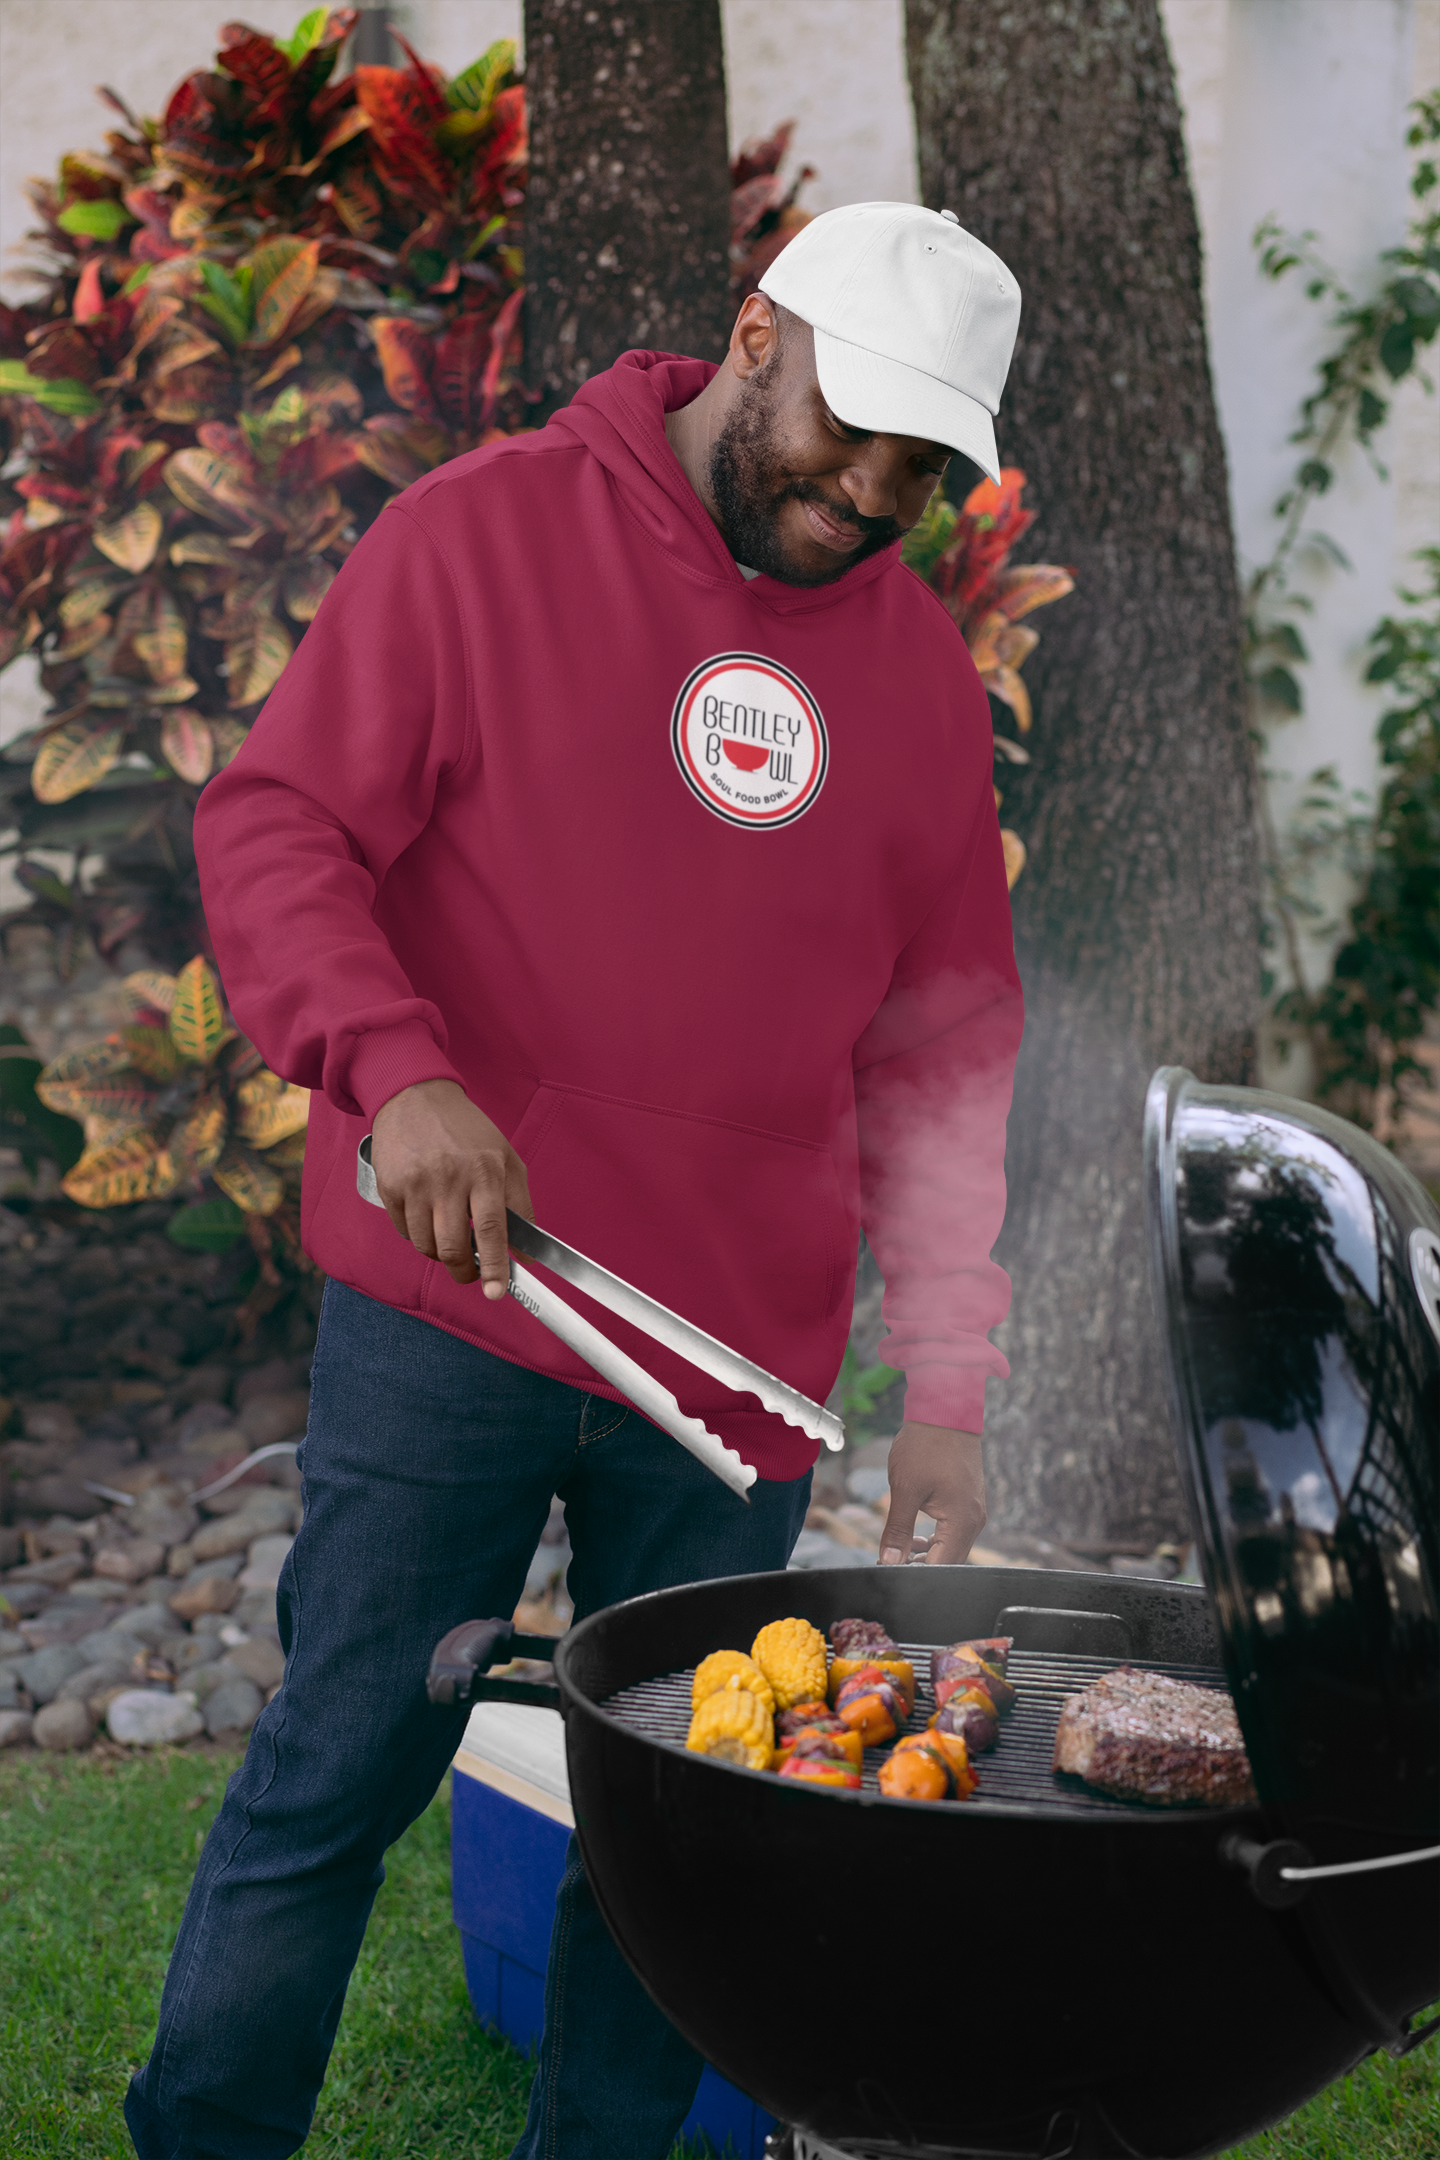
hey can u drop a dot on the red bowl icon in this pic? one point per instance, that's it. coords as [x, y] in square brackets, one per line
[748, 756]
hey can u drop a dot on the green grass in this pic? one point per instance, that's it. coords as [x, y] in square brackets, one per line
[95, 1857]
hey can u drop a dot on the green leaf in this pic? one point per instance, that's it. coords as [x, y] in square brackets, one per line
[1278, 687]
[1284, 637]
[1397, 350]
[207, 1225]
[1370, 413]
[61, 396]
[226, 299]
[473, 90]
[305, 36]
[1315, 475]
[98, 220]
[197, 1018]
[137, 278]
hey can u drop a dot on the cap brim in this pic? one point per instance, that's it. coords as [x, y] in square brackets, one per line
[866, 390]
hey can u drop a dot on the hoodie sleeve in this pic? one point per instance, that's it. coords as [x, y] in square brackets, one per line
[933, 1075]
[334, 781]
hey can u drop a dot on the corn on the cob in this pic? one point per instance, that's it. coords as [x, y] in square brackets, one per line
[723, 1666]
[791, 1654]
[734, 1726]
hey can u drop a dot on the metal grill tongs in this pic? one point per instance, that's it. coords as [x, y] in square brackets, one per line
[653, 1319]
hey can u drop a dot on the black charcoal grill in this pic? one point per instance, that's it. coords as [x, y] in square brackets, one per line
[1042, 1973]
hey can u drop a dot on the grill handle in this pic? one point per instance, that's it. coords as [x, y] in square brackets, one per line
[460, 1666]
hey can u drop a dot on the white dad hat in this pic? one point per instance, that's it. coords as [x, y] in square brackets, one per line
[914, 321]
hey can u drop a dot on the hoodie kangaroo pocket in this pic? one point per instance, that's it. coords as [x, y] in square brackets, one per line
[742, 1231]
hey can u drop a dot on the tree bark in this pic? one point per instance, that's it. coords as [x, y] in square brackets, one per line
[1051, 128]
[627, 214]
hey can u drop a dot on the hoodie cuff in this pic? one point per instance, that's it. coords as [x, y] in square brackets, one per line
[386, 1060]
[947, 1395]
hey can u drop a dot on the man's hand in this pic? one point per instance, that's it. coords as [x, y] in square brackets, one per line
[934, 1471]
[442, 1166]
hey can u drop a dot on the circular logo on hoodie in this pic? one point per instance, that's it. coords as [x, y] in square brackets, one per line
[749, 740]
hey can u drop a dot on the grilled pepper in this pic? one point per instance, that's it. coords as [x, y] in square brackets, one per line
[897, 1669]
[735, 1727]
[971, 1714]
[822, 1770]
[723, 1666]
[872, 1704]
[791, 1654]
[926, 1766]
[820, 1736]
[963, 1665]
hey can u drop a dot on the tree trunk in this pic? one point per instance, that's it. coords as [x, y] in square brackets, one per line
[1051, 128]
[627, 214]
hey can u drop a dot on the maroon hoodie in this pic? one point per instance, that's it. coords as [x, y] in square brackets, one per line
[693, 884]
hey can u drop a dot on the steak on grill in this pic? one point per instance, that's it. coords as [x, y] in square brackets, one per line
[1148, 1737]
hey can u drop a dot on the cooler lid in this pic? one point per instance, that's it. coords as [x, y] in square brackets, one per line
[1295, 1266]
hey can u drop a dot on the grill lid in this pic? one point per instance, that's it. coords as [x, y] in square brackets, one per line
[1296, 1270]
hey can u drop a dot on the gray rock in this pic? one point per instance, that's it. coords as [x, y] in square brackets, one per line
[62, 1726]
[813, 1549]
[57, 1494]
[12, 1643]
[202, 1680]
[156, 1515]
[141, 1718]
[225, 1569]
[266, 1511]
[278, 1416]
[260, 1660]
[254, 1610]
[12, 1547]
[147, 1623]
[264, 1561]
[45, 1672]
[51, 1421]
[232, 1707]
[871, 1487]
[205, 1417]
[92, 1680]
[274, 1376]
[209, 1623]
[106, 1647]
[94, 1590]
[10, 1693]
[16, 1727]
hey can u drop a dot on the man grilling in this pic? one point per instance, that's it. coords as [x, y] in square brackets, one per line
[621, 839]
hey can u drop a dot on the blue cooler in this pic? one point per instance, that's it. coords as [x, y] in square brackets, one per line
[510, 1822]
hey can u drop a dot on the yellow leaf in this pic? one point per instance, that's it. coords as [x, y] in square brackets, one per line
[113, 1175]
[85, 637]
[283, 273]
[287, 1154]
[202, 1136]
[305, 585]
[146, 987]
[87, 597]
[269, 1111]
[188, 745]
[1005, 683]
[131, 540]
[151, 1051]
[92, 1061]
[257, 661]
[1032, 585]
[197, 1021]
[161, 645]
[214, 487]
[1014, 848]
[208, 548]
[178, 692]
[73, 759]
[227, 736]
[120, 1102]
[251, 1183]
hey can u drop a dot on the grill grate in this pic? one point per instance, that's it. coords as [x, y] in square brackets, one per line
[1016, 1772]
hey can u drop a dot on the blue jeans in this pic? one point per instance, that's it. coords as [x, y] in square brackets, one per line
[428, 1471]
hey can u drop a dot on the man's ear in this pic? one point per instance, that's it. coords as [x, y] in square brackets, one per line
[754, 337]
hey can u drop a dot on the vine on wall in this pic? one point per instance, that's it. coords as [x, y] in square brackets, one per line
[1363, 1024]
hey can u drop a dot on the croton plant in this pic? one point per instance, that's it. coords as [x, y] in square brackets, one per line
[262, 315]
[965, 556]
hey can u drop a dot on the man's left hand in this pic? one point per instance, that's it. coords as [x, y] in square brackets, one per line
[934, 1471]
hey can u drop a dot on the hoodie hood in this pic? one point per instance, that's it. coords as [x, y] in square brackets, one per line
[620, 418]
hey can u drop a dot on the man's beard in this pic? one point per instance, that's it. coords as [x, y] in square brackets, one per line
[747, 476]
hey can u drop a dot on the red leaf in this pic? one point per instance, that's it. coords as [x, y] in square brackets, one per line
[507, 144]
[505, 343]
[253, 59]
[89, 296]
[459, 355]
[401, 121]
[406, 354]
